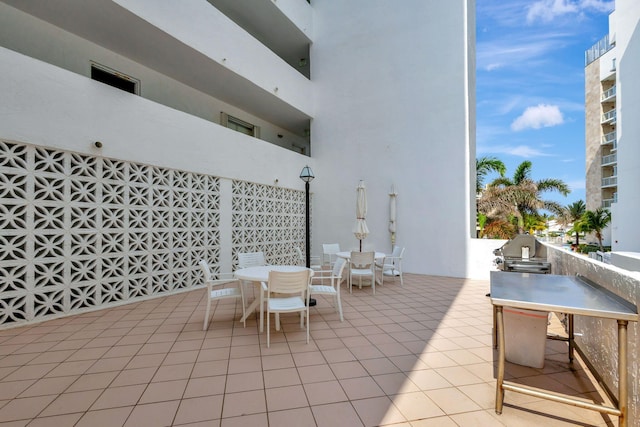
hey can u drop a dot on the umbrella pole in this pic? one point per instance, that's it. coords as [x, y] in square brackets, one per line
[360, 245]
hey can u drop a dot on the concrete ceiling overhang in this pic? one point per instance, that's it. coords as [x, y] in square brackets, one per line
[107, 24]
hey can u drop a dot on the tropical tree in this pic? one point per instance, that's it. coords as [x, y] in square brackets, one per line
[596, 221]
[521, 195]
[571, 214]
[485, 165]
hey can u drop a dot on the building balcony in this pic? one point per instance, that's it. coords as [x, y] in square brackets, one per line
[610, 181]
[609, 160]
[609, 117]
[609, 94]
[606, 203]
[610, 138]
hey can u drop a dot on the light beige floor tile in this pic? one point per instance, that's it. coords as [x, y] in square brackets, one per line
[163, 391]
[199, 409]
[244, 403]
[361, 388]
[452, 400]
[415, 406]
[68, 403]
[315, 374]
[27, 408]
[281, 377]
[325, 392]
[153, 414]
[286, 398]
[336, 415]
[105, 417]
[55, 385]
[299, 417]
[244, 382]
[378, 411]
[56, 420]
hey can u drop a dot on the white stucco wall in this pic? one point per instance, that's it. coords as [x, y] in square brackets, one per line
[46, 105]
[38, 39]
[391, 100]
[625, 230]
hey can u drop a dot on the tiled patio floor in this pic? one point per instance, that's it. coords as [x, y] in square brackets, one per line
[418, 355]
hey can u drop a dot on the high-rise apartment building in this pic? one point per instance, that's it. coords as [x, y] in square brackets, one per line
[137, 136]
[612, 104]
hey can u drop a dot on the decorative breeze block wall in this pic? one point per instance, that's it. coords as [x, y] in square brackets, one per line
[79, 232]
[268, 219]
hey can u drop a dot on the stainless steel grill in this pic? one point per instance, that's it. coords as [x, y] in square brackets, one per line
[523, 254]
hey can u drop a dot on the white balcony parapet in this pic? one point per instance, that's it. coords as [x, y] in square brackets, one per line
[609, 93]
[610, 181]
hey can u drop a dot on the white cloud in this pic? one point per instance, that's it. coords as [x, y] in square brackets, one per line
[537, 117]
[524, 151]
[548, 10]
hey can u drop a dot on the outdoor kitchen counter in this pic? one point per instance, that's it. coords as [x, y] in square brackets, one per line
[565, 294]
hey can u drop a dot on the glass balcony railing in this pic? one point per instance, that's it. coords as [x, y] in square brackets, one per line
[609, 117]
[607, 160]
[609, 93]
[609, 181]
[609, 138]
[597, 50]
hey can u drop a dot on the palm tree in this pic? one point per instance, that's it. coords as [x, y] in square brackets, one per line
[484, 165]
[596, 221]
[521, 195]
[571, 214]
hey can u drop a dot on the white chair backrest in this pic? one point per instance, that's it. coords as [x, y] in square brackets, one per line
[397, 252]
[289, 282]
[338, 267]
[362, 260]
[300, 255]
[205, 270]
[251, 259]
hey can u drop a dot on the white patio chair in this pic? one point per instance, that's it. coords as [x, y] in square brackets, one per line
[391, 265]
[251, 259]
[215, 291]
[362, 264]
[315, 260]
[288, 292]
[334, 277]
[329, 251]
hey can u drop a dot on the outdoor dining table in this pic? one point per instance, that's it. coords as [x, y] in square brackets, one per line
[564, 294]
[378, 256]
[259, 276]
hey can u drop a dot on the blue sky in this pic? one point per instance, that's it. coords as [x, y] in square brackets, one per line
[530, 84]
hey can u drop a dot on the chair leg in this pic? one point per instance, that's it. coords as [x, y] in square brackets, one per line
[307, 322]
[206, 314]
[268, 327]
[339, 307]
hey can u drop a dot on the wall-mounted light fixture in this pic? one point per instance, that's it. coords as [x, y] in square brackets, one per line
[98, 144]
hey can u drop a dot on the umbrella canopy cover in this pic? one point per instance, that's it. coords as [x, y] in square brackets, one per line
[361, 230]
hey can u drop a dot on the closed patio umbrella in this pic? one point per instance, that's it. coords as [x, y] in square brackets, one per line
[361, 230]
[392, 214]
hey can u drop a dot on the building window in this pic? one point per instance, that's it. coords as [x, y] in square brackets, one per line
[114, 78]
[239, 125]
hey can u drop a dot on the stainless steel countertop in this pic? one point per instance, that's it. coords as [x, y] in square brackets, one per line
[565, 294]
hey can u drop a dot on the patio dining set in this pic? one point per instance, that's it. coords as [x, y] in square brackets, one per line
[289, 288]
